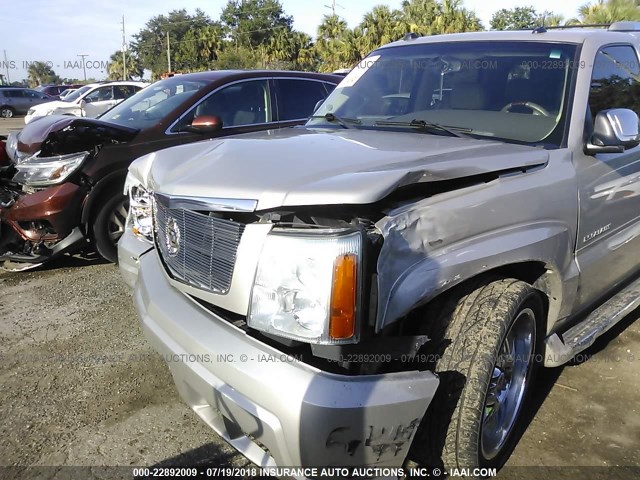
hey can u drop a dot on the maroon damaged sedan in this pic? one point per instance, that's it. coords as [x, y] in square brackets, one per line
[62, 184]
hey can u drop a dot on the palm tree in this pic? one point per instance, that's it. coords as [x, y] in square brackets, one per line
[39, 73]
[608, 11]
[428, 17]
[280, 46]
[452, 18]
[116, 70]
[380, 26]
[331, 27]
[550, 19]
[210, 41]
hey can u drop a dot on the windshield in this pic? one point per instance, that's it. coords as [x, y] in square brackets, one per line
[153, 103]
[72, 97]
[512, 91]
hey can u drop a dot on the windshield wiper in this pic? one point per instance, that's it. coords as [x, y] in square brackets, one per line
[344, 122]
[424, 125]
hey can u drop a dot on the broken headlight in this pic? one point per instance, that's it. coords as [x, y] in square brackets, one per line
[306, 287]
[38, 171]
[140, 218]
[11, 146]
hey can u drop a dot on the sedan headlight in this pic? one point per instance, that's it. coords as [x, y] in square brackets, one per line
[38, 171]
[306, 287]
[140, 218]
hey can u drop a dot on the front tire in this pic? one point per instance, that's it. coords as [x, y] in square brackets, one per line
[109, 225]
[485, 340]
[7, 112]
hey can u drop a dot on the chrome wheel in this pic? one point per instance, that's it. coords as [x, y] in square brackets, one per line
[6, 113]
[508, 383]
[117, 221]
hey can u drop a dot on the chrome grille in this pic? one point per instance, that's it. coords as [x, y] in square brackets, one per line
[198, 249]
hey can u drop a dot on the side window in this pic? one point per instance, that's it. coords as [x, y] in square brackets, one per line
[243, 103]
[615, 82]
[297, 98]
[100, 94]
[15, 94]
[123, 91]
[32, 94]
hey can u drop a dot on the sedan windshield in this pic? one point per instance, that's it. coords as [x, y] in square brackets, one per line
[152, 104]
[508, 91]
[72, 97]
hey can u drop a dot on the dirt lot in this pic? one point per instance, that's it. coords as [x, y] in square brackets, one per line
[81, 386]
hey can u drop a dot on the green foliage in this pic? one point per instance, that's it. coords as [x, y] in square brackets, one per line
[518, 18]
[150, 45]
[116, 66]
[608, 11]
[250, 23]
[523, 18]
[39, 73]
[259, 33]
[232, 58]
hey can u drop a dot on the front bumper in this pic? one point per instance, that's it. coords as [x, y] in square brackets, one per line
[275, 410]
[49, 218]
[130, 249]
[59, 206]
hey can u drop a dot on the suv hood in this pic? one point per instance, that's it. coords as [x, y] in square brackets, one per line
[60, 134]
[302, 166]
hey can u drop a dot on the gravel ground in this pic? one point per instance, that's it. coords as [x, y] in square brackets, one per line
[81, 386]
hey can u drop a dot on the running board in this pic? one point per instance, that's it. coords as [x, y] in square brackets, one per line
[562, 348]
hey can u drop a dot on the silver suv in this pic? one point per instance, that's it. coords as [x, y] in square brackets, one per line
[18, 101]
[384, 282]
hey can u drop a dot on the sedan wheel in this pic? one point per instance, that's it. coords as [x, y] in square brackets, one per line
[6, 112]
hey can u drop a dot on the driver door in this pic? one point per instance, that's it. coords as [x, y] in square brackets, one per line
[98, 101]
[608, 243]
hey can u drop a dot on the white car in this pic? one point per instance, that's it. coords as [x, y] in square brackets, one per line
[66, 92]
[88, 101]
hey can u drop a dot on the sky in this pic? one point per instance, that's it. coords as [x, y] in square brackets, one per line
[58, 32]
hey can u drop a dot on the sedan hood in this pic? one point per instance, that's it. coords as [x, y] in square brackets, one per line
[68, 134]
[301, 166]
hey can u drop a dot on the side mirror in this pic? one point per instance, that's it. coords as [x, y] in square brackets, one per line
[614, 130]
[320, 102]
[204, 124]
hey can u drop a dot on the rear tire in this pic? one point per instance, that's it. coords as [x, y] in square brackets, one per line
[7, 112]
[485, 341]
[109, 225]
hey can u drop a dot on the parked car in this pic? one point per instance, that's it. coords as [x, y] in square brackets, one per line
[88, 101]
[18, 101]
[385, 281]
[66, 178]
[54, 91]
[66, 92]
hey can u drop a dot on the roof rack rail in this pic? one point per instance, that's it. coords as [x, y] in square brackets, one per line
[622, 26]
[578, 25]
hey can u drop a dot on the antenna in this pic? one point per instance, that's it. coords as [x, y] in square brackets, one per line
[333, 7]
[124, 53]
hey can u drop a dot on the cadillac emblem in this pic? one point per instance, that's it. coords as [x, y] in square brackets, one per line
[172, 237]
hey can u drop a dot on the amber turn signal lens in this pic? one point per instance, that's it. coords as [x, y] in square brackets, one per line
[342, 323]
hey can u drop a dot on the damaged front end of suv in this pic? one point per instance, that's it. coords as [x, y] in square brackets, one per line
[44, 188]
